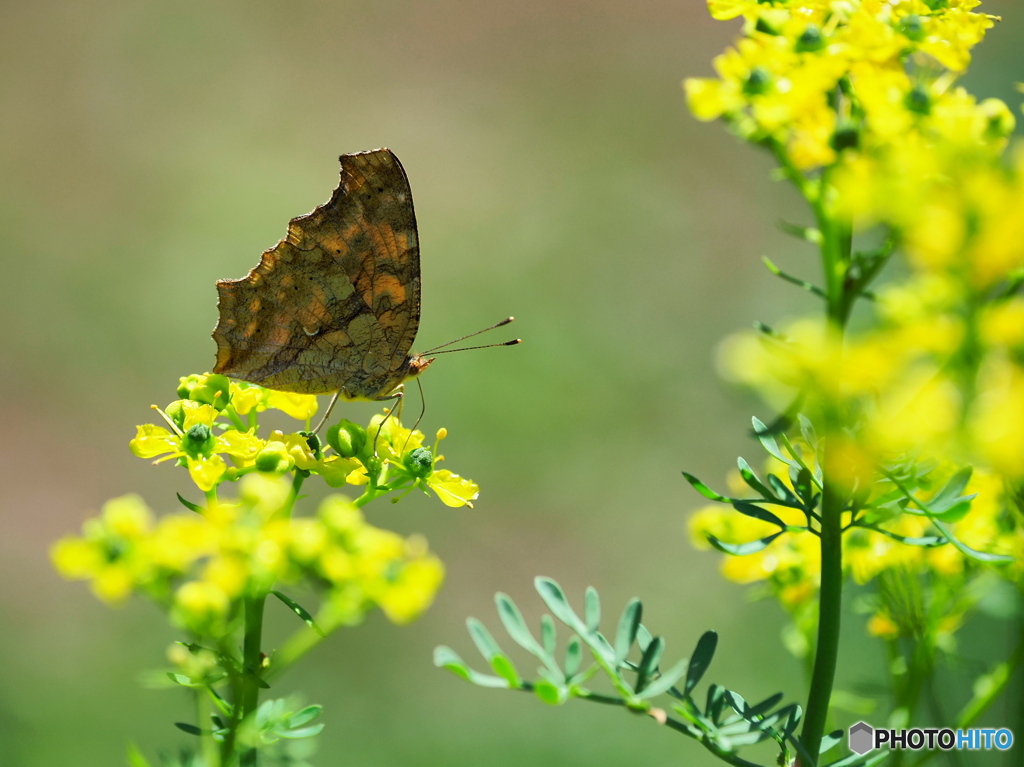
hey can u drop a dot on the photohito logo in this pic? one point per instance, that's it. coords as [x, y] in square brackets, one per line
[862, 738]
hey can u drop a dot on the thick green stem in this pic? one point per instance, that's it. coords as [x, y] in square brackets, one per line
[252, 659]
[836, 249]
[829, 613]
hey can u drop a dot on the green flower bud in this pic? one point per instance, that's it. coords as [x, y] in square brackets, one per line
[211, 389]
[314, 443]
[176, 413]
[937, 5]
[1000, 119]
[274, 458]
[847, 136]
[810, 40]
[348, 439]
[198, 440]
[757, 82]
[918, 100]
[419, 462]
[912, 28]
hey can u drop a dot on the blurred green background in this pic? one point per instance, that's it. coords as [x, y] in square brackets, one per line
[151, 148]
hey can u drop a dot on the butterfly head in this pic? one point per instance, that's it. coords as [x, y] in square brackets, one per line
[417, 363]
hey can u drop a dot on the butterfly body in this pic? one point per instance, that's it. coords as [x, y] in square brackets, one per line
[335, 306]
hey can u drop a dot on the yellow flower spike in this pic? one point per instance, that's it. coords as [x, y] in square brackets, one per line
[452, 489]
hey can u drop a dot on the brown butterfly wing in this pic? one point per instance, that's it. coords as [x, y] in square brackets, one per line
[335, 305]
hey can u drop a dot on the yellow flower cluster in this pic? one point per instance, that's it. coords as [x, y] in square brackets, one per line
[213, 431]
[779, 83]
[199, 566]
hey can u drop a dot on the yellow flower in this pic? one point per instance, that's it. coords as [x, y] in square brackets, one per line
[452, 489]
[196, 442]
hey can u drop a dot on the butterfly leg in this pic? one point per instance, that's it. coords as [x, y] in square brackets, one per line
[327, 415]
[397, 395]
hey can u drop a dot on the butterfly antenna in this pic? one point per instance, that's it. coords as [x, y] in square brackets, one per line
[457, 340]
[327, 415]
[513, 342]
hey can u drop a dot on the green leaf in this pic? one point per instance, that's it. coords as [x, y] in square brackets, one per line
[514, 623]
[742, 549]
[805, 488]
[665, 681]
[549, 693]
[299, 610]
[181, 679]
[782, 491]
[715, 700]
[792, 721]
[805, 233]
[190, 506]
[927, 541]
[303, 732]
[704, 490]
[554, 598]
[592, 608]
[752, 480]
[482, 639]
[768, 442]
[831, 740]
[304, 716]
[504, 668]
[573, 657]
[981, 556]
[756, 512]
[793, 280]
[548, 635]
[952, 492]
[445, 657]
[649, 662]
[643, 638]
[766, 705]
[700, 660]
[629, 624]
[807, 432]
[191, 729]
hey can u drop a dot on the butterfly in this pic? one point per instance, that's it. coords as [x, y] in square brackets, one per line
[335, 305]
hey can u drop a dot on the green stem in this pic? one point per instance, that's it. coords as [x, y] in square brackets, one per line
[836, 249]
[211, 757]
[830, 604]
[252, 661]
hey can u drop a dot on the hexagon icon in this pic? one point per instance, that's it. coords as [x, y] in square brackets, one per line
[862, 738]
